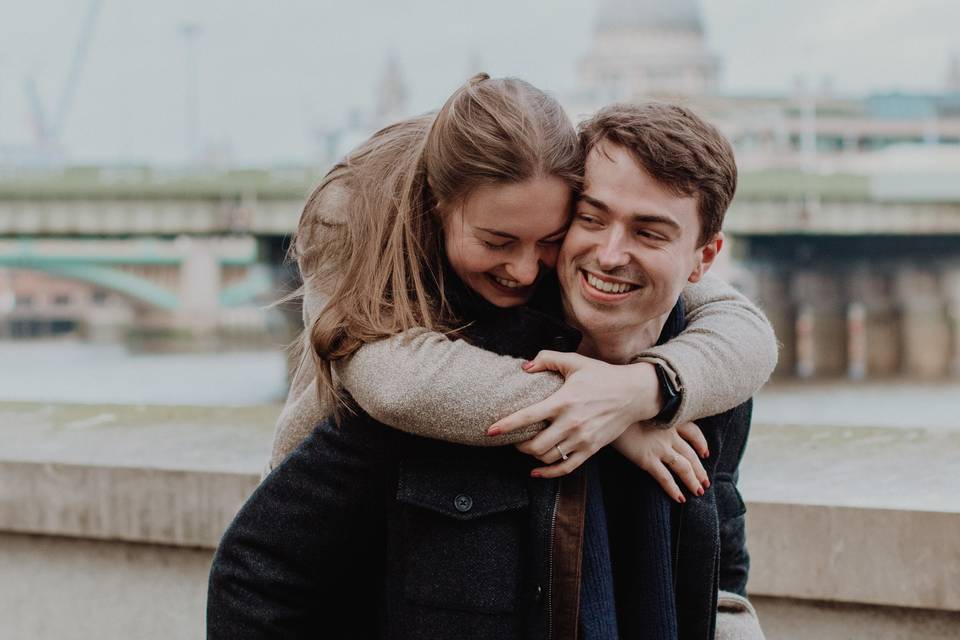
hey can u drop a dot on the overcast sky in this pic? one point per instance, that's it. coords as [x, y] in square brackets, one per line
[272, 72]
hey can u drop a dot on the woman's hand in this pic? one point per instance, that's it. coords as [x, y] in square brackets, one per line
[594, 406]
[660, 451]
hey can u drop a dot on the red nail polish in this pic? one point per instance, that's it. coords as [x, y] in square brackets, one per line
[493, 431]
[681, 500]
[706, 484]
[526, 364]
[700, 491]
[706, 455]
[535, 474]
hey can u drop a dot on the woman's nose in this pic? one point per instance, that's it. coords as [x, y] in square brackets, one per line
[526, 268]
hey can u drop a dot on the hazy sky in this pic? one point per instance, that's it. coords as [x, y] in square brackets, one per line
[272, 72]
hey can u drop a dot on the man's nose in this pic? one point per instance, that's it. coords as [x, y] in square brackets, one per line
[611, 252]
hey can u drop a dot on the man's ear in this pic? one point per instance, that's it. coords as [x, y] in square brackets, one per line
[705, 257]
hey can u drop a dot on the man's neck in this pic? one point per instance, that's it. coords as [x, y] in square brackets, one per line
[621, 347]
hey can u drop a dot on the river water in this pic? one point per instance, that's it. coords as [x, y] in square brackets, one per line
[110, 374]
[91, 373]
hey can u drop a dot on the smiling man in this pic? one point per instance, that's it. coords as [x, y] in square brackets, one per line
[658, 181]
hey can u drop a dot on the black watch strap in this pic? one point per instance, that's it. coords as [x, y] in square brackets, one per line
[671, 396]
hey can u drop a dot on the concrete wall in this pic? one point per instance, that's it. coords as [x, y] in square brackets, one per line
[74, 588]
[843, 544]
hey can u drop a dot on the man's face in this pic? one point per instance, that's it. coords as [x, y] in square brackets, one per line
[631, 248]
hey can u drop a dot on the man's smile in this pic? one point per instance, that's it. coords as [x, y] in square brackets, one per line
[604, 288]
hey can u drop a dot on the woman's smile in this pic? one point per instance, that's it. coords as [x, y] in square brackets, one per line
[504, 236]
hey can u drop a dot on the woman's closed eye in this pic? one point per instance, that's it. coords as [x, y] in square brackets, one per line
[497, 247]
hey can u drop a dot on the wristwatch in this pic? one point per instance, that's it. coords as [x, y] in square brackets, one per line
[670, 393]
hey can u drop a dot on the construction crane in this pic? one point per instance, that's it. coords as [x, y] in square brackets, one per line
[48, 132]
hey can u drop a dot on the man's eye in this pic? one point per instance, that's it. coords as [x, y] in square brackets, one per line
[643, 233]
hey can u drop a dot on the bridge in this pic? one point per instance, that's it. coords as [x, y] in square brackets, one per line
[859, 273]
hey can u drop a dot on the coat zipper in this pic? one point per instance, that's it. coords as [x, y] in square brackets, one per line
[553, 530]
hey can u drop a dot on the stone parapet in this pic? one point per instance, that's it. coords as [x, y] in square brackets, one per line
[154, 506]
[858, 517]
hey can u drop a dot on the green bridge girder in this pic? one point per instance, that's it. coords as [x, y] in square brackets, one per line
[139, 288]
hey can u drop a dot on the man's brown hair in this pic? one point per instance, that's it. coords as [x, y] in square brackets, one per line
[677, 148]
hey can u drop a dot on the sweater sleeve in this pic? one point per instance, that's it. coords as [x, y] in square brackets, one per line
[426, 384]
[726, 353]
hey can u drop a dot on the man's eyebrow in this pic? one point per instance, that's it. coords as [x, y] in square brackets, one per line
[643, 218]
[650, 218]
[504, 234]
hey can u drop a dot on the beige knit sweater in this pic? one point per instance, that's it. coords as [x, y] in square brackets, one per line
[429, 385]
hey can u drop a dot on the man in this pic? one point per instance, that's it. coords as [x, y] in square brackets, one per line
[658, 181]
[639, 234]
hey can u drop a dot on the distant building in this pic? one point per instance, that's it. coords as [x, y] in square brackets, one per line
[391, 94]
[647, 48]
[390, 104]
[953, 74]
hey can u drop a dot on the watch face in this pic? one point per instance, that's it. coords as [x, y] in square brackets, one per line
[666, 384]
[671, 396]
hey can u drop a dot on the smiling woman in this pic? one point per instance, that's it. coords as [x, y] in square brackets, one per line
[501, 238]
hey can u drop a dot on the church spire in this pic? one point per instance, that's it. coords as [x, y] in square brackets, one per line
[391, 93]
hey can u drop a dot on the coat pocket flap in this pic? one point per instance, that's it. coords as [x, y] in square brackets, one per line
[461, 491]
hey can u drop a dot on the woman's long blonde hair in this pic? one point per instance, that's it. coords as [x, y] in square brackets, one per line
[370, 237]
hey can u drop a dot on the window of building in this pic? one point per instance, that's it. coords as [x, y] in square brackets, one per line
[61, 299]
[23, 302]
[99, 298]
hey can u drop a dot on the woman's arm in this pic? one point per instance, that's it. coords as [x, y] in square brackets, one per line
[426, 384]
[726, 353]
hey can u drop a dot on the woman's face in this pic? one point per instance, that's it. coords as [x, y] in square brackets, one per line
[500, 238]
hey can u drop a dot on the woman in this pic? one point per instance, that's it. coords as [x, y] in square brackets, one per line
[506, 146]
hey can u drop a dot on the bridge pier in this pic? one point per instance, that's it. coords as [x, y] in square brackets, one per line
[200, 284]
[773, 296]
[876, 340]
[821, 326]
[925, 334]
[951, 289]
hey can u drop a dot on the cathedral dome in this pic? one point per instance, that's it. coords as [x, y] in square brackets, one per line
[677, 15]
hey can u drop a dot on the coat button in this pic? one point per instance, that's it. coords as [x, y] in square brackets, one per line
[538, 593]
[463, 503]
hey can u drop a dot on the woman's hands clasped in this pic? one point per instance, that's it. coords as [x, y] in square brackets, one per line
[665, 453]
[600, 404]
[595, 405]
